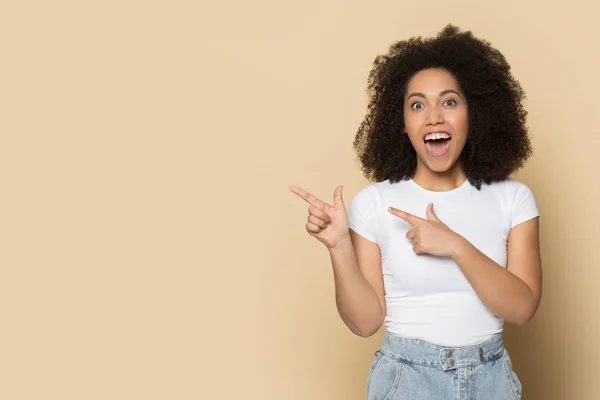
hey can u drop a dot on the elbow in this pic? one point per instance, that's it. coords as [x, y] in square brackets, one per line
[523, 317]
[364, 333]
[364, 325]
[521, 320]
[526, 312]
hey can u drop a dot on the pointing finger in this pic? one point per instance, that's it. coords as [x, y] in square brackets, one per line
[309, 198]
[411, 219]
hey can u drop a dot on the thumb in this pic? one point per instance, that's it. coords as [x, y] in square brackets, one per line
[430, 214]
[338, 199]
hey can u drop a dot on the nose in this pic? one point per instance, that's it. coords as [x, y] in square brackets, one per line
[435, 116]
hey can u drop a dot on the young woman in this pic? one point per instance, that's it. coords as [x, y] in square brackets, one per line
[443, 247]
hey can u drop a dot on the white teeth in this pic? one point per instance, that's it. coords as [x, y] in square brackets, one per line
[432, 136]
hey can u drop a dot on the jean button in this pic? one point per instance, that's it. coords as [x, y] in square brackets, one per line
[449, 353]
[451, 363]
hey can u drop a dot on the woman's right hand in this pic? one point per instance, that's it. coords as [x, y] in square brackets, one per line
[329, 224]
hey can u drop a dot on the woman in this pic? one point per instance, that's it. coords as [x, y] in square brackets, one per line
[443, 247]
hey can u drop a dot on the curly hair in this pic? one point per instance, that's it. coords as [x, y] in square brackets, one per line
[497, 141]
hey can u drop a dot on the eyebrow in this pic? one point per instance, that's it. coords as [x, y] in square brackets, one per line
[442, 93]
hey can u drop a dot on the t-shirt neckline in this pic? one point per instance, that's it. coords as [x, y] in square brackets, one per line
[463, 186]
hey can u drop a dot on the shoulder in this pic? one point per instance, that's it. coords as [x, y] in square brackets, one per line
[365, 210]
[370, 199]
[518, 191]
[519, 200]
[367, 196]
[511, 188]
[515, 184]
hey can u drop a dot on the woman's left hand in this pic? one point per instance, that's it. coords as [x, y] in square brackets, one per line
[429, 236]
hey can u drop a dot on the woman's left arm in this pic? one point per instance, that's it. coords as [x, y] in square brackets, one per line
[512, 293]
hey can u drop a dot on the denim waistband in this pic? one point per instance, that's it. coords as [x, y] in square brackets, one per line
[420, 352]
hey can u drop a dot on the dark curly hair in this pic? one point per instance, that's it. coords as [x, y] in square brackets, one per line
[497, 142]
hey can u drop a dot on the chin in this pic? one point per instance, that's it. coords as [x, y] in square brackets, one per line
[439, 167]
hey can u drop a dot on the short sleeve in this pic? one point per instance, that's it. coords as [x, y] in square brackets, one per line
[362, 213]
[524, 206]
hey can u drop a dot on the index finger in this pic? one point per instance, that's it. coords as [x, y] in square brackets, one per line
[309, 198]
[411, 219]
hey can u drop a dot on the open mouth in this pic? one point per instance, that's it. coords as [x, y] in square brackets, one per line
[437, 143]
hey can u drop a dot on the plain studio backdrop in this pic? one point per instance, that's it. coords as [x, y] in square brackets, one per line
[150, 247]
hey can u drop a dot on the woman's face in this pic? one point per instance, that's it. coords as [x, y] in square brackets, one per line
[436, 118]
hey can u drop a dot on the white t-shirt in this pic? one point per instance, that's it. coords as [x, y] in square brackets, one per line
[428, 297]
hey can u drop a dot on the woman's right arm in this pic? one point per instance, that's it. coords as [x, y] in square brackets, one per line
[356, 262]
[359, 290]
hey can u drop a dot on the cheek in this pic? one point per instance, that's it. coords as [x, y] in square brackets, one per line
[413, 122]
[460, 123]
[414, 141]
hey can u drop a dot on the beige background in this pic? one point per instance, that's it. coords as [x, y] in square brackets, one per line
[150, 248]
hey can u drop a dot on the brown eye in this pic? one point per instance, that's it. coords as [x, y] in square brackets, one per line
[414, 106]
[450, 101]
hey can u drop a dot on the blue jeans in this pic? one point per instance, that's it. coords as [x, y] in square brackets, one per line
[412, 369]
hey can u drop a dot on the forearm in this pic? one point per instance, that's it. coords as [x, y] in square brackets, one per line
[503, 293]
[356, 300]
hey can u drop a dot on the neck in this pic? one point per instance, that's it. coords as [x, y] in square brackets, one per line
[439, 181]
